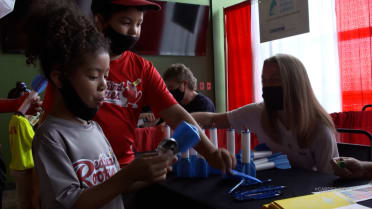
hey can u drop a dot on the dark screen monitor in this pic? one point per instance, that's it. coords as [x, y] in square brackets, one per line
[178, 29]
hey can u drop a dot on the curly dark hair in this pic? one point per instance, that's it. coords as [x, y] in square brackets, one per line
[61, 37]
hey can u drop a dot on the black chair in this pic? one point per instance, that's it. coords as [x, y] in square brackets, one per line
[358, 151]
[366, 106]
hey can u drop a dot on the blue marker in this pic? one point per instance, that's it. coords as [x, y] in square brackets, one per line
[38, 85]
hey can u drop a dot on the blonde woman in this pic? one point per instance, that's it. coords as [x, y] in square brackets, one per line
[290, 120]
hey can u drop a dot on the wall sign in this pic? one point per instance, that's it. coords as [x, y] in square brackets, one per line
[282, 18]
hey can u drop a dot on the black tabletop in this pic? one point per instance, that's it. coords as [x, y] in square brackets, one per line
[212, 192]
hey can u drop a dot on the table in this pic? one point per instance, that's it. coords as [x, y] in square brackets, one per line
[212, 192]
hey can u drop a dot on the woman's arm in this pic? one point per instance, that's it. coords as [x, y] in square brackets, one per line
[211, 120]
[324, 148]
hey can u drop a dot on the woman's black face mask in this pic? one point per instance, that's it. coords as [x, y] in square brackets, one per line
[273, 97]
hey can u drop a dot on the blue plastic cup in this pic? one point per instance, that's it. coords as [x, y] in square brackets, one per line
[186, 136]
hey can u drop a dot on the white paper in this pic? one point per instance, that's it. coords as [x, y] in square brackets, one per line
[356, 193]
[353, 206]
[6, 6]
[282, 18]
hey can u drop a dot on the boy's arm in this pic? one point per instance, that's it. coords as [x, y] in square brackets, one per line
[12, 105]
[218, 158]
[8, 105]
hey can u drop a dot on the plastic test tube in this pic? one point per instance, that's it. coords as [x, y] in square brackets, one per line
[246, 146]
[230, 133]
[213, 136]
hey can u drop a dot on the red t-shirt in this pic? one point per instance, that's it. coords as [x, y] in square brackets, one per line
[133, 82]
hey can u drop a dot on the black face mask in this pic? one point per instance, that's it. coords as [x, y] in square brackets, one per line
[273, 97]
[74, 103]
[177, 94]
[119, 42]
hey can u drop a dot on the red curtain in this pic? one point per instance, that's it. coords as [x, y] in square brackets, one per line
[238, 55]
[354, 45]
[353, 120]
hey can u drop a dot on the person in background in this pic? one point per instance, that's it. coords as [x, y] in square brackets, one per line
[351, 168]
[182, 84]
[289, 120]
[21, 166]
[75, 163]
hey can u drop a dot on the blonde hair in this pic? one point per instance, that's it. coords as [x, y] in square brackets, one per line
[300, 105]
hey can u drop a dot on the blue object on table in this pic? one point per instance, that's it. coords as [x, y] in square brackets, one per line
[246, 176]
[201, 168]
[193, 160]
[262, 147]
[186, 135]
[176, 165]
[250, 169]
[259, 193]
[258, 196]
[232, 190]
[185, 168]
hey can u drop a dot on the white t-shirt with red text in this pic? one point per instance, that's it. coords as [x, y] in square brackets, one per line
[71, 157]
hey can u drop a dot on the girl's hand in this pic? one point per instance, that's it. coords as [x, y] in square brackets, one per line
[149, 167]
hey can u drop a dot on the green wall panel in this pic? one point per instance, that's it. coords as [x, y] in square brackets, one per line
[218, 48]
[13, 68]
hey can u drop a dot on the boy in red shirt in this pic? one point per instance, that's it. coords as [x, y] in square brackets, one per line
[133, 82]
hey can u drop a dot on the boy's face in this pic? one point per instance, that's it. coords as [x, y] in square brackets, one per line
[89, 81]
[127, 22]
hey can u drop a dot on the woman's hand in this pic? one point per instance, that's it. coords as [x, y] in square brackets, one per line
[347, 167]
